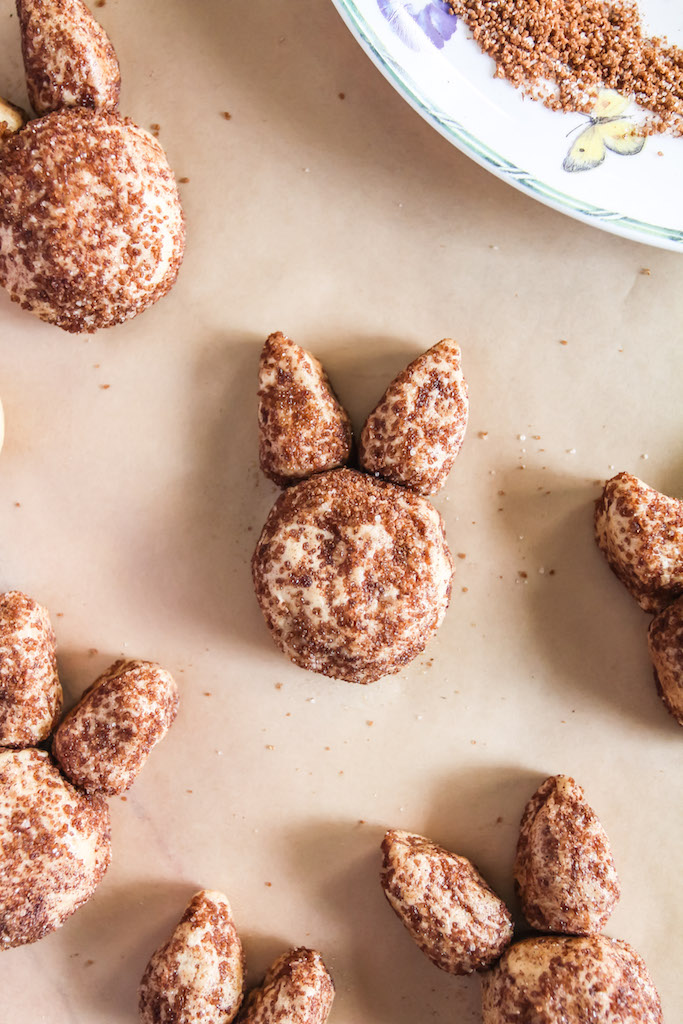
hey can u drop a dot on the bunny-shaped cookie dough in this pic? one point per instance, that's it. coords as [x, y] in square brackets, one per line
[91, 227]
[353, 572]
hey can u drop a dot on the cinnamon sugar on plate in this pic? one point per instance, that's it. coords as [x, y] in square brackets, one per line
[563, 52]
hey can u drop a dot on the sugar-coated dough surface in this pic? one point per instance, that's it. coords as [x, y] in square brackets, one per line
[30, 691]
[91, 228]
[353, 575]
[665, 641]
[296, 990]
[104, 741]
[570, 980]
[416, 431]
[640, 532]
[450, 911]
[54, 846]
[197, 976]
[302, 427]
[564, 871]
[68, 57]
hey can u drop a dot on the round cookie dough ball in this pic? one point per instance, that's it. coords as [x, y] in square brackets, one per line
[54, 846]
[353, 575]
[572, 980]
[91, 228]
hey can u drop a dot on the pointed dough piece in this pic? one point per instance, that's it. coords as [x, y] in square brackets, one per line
[449, 910]
[416, 431]
[197, 977]
[105, 740]
[302, 427]
[564, 871]
[640, 533]
[68, 57]
[30, 691]
[296, 990]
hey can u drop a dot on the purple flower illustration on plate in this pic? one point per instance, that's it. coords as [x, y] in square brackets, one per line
[411, 20]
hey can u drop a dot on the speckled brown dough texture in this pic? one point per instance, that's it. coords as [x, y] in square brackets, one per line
[104, 742]
[590, 980]
[68, 57]
[296, 990]
[449, 910]
[416, 431]
[665, 641]
[197, 976]
[564, 871]
[302, 427]
[30, 691]
[54, 846]
[353, 575]
[640, 532]
[91, 228]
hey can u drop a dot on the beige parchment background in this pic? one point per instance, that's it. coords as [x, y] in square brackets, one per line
[130, 501]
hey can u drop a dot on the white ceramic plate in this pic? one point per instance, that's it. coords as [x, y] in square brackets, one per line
[431, 59]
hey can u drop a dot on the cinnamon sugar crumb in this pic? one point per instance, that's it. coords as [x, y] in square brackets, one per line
[563, 53]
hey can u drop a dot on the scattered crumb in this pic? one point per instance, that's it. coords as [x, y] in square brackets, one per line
[207, 693]
[523, 574]
[563, 342]
[341, 95]
[226, 116]
[155, 127]
[268, 884]
[369, 722]
[183, 181]
[105, 387]
[465, 589]
[188, 790]
[461, 554]
[269, 746]
[361, 821]
[473, 743]
[483, 434]
[17, 504]
[646, 271]
[89, 963]
[278, 686]
[124, 799]
[92, 651]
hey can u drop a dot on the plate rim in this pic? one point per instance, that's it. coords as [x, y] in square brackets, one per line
[604, 219]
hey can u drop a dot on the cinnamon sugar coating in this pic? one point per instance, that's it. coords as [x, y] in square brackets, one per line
[570, 980]
[302, 427]
[54, 846]
[640, 532]
[197, 976]
[68, 58]
[665, 642]
[297, 989]
[105, 740]
[564, 871]
[416, 431]
[30, 691]
[450, 911]
[91, 228]
[353, 575]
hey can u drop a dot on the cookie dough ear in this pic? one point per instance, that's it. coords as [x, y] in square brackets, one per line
[12, 119]
[416, 431]
[68, 57]
[302, 427]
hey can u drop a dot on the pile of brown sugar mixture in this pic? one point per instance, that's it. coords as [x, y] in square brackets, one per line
[563, 51]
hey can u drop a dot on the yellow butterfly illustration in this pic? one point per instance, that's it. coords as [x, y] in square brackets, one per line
[607, 130]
